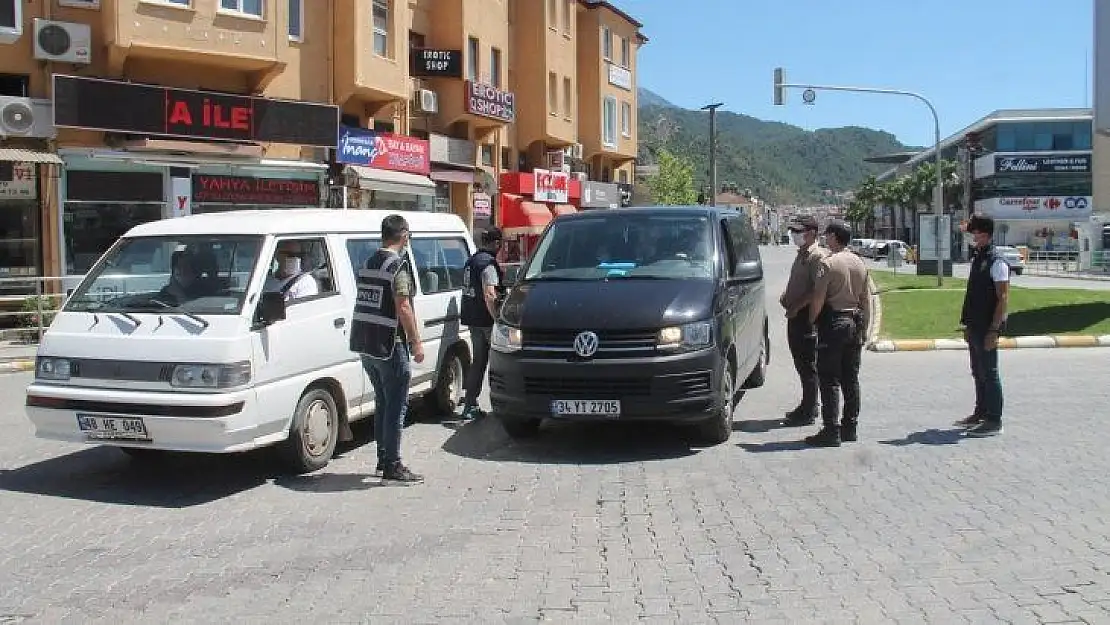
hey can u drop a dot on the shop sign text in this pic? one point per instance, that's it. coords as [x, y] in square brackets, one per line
[383, 150]
[23, 184]
[489, 101]
[246, 190]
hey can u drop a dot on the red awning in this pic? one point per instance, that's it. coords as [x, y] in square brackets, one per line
[516, 212]
[563, 209]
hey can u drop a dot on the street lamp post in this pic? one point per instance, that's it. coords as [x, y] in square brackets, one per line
[712, 108]
[938, 191]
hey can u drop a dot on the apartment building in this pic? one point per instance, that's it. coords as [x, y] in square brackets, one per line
[118, 112]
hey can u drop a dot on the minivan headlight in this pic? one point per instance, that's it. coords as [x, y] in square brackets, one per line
[50, 368]
[211, 376]
[505, 338]
[689, 336]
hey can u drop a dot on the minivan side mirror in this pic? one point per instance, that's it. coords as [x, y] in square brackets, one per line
[748, 271]
[271, 308]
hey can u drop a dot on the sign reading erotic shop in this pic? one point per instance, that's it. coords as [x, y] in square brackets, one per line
[489, 101]
[116, 106]
[429, 63]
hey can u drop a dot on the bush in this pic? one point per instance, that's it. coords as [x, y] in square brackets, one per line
[31, 306]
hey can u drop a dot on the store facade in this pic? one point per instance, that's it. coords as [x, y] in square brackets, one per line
[528, 201]
[385, 171]
[174, 152]
[25, 183]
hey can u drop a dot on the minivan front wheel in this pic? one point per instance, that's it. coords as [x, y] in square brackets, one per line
[314, 432]
[718, 428]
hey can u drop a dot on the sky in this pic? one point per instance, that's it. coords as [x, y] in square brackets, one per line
[969, 57]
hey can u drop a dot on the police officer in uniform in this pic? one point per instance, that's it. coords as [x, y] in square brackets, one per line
[482, 280]
[984, 318]
[841, 310]
[383, 331]
[801, 337]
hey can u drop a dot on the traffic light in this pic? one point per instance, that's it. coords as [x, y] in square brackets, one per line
[778, 87]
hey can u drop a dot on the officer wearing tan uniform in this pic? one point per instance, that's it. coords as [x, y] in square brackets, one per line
[801, 337]
[841, 310]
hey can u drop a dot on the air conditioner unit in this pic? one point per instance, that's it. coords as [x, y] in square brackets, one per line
[555, 160]
[26, 117]
[426, 101]
[575, 151]
[65, 42]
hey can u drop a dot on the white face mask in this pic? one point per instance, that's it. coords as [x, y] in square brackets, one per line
[798, 238]
[291, 266]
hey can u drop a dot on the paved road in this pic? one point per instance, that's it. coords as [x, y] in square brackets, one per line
[913, 524]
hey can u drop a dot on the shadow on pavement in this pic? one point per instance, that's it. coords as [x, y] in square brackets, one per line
[570, 443]
[1057, 319]
[761, 448]
[328, 482]
[928, 437]
[757, 426]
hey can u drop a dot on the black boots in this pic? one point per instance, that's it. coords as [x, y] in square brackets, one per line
[828, 436]
[799, 417]
[848, 431]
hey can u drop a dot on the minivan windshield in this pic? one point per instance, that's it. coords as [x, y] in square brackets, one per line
[195, 275]
[613, 245]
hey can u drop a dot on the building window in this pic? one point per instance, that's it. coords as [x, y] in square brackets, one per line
[487, 155]
[296, 20]
[606, 43]
[20, 216]
[11, 20]
[568, 98]
[552, 13]
[568, 15]
[17, 85]
[1044, 136]
[472, 59]
[553, 93]
[246, 7]
[506, 158]
[626, 119]
[100, 206]
[626, 53]
[416, 40]
[495, 67]
[622, 176]
[381, 28]
[609, 122]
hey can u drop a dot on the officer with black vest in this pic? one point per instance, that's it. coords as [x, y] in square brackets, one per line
[383, 330]
[984, 318]
[482, 280]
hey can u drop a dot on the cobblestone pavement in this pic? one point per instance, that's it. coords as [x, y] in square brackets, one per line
[599, 524]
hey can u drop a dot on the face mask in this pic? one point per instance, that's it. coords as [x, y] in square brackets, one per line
[798, 238]
[291, 266]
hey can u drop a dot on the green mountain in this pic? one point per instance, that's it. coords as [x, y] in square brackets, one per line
[778, 162]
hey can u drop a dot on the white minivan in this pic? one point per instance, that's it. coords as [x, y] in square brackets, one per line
[228, 364]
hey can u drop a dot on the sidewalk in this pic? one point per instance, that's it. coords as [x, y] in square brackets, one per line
[1019, 342]
[17, 357]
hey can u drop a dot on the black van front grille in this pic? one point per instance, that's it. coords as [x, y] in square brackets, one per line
[588, 388]
[611, 343]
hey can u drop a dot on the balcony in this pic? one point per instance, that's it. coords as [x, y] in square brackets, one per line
[371, 64]
[200, 33]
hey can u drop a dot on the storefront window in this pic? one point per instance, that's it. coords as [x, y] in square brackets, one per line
[19, 245]
[101, 206]
[384, 200]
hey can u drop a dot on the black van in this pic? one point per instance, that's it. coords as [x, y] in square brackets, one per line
[633, 314]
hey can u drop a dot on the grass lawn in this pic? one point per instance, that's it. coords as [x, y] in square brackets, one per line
[914, 308]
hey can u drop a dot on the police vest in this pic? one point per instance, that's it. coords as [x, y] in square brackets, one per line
[473, 311]
[981, 298]
[374, 325]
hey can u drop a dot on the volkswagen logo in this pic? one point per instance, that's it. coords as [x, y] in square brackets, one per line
[585, 344]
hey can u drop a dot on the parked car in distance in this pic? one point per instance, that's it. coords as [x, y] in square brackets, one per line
[856, 245]
[882, 248]
[633, 314]
[1012, 256]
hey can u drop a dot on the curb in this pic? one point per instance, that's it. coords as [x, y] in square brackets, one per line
[1019, 342]
[17, 366]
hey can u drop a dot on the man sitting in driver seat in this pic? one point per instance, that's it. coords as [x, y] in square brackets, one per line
[290, 278]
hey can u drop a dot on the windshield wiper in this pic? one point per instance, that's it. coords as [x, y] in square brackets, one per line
[177, 310]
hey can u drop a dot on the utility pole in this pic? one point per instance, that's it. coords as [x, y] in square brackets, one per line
[712, 108]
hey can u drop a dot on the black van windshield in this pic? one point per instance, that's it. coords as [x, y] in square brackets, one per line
[625, 246]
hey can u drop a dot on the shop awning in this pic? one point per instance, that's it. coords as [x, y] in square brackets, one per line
[18, 155]
[563, 209]
[516, 212]
[393, 181]
[461, 176]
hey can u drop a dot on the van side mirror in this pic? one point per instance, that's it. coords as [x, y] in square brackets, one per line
[748, 271]
[271, 308]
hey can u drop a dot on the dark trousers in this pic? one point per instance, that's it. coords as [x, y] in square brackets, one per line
[839, 350]
[390, 379]
[802, 341]
[479, 338]
[984, 370]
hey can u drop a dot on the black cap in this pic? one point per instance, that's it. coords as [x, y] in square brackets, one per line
[803, 222]
[492, 235]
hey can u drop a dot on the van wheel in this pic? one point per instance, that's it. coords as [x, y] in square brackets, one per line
[520, 428]
[759, 374]
[314, 432]
[449, 390]
[718, 429]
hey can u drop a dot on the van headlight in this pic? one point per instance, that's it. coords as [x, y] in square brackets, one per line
[50, 368]
[689, 336]
[505, 338]
[211, 376]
